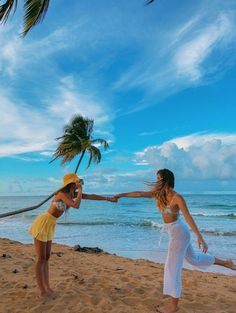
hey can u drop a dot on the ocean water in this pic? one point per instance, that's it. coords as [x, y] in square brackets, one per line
[130, 228]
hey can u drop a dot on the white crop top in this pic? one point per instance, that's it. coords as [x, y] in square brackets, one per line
[168, 210]
[60, 205]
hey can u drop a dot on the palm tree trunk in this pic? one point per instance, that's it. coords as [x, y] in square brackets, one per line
[27, 209]
[81, 157]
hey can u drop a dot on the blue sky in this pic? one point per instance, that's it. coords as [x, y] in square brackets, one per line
[158, 80]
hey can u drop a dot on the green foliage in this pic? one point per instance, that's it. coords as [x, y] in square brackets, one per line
[34, 12]
[77, 138]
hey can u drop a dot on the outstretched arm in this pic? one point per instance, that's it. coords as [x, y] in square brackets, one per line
[97, 197]
[189, 219]
[135, 194]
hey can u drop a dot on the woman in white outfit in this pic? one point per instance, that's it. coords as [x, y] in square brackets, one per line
[170, 204]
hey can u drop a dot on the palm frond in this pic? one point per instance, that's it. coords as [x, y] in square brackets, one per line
[90, 159]
[67, 150]
[90, 124]
[102, 142]
[149, 2]
[66, 155]
[61, 150]
[69, 156]
[35, 11]
[54, 158]
[82, 125]
[6, 9]
[95, 155]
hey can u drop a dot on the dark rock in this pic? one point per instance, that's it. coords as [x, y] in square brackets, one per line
[88, 249]
[59, 254]
[25, 286]
[120, 269]
[4, 255]
[15, 271]
[119, 289]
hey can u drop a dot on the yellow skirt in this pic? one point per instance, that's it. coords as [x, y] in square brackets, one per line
[43, 227]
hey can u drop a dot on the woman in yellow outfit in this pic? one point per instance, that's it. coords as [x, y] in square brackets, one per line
[43, 226]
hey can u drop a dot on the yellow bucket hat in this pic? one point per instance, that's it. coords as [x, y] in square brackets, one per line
[70, 178]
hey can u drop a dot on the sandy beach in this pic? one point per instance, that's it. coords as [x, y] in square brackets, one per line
[99, 283]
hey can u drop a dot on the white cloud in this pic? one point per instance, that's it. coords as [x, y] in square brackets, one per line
[18, 54]
[198, 156]
[186, 28]
[30, 186]
[28, 159]
[69, 100]
[193, 53]
[190, 57]
[55, 180]
[46, 153]
[110, 180]
[31, 118]
[23, 128]
[10, 55]
[197, 139]
[151, 133]
[26, 129]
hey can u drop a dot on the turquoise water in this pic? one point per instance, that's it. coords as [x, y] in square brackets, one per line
[129, 228]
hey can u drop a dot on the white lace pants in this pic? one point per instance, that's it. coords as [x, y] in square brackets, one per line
[178, 249]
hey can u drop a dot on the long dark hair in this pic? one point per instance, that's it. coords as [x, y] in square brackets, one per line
[67, 188]
[167, 179]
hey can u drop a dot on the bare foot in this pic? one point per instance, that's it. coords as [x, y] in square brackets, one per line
[48, 296]
[45, 294]
[168, 308]
[49, 290]
[229, 263]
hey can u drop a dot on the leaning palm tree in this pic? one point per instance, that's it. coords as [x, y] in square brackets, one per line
[77, 139]
[34, 11]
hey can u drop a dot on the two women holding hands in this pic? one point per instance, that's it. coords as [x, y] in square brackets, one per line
[170, 204]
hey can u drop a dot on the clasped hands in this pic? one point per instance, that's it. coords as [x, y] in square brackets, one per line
[113, 198]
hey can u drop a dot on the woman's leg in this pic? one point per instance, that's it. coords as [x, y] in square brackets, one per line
[46, 267]
[226, 263]
[40, 248]
[203, 260]
[198, 259]
[179, 241]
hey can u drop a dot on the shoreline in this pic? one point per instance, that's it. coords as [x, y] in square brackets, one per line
[156, 256]
[102, 283]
